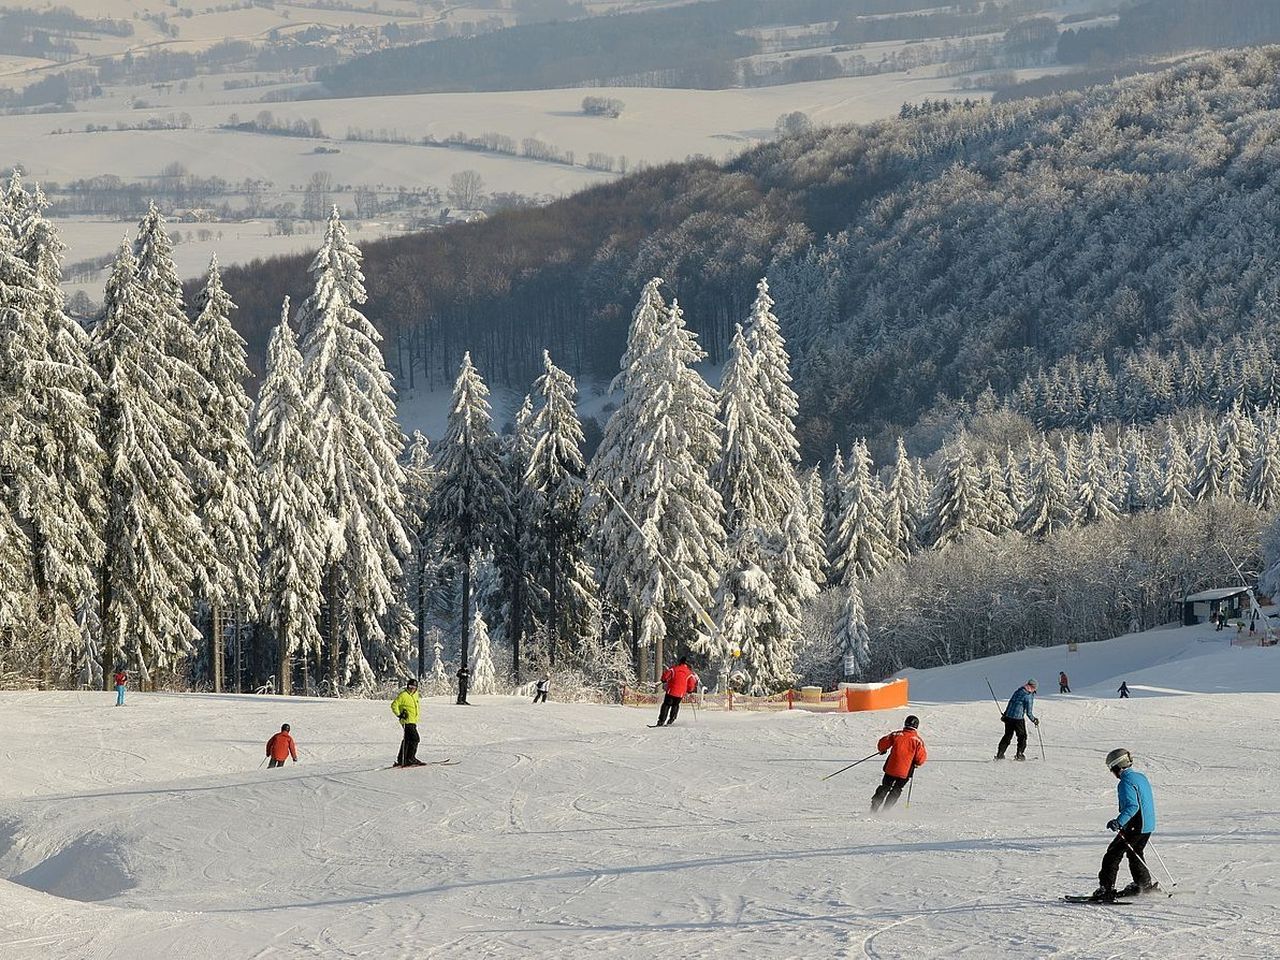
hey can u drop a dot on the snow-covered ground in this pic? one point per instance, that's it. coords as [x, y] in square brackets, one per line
[569, 830]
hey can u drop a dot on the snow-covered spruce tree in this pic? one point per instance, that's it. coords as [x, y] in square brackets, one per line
[226, 497]
[152, 537]
[1236, 442]
[957, 507]
[419, 487]
[658, 448]
[1263, 487]
[295, 531]
[816, 508]
[484, 676]
[50, 458]
[997, 506]
[1138, 473]
[471, 499]
[900, 504]
[521, 607]
[556, 480]
[852, 638]
[1071, 458]
[1176, 477]
[1048, 504]
[348, 391]
[860, 549]
[748, 610]
[1095, 498]
[1015, 482]
[833, 500]
[1207, 483]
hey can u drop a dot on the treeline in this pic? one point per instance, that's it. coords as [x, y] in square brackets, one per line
[952, 257]
[694, 45]
[1167, 26]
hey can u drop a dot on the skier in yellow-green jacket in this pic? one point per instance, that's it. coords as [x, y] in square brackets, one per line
[405, 706]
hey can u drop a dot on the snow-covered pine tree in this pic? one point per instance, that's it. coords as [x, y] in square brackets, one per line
[1263, 488]
[295, 531]
[852, 638]
[1095, 498]
[1048, 504]
[1208, 464]
[958, 507]
[748, 608]
[816, 507]
[1137, 473]
[349, 393]
[226, 497]
[900, 504]
[658, 448]
[997, 506]
[1071, 458]
[860, 549]
[484, 675]
[1015, 481]
[521, 605]
[1235, 442]
[419, 487]
[152, 538]
[471, 499]
[50, 458]
[833, 501]
[556, 479]
[1176, 477]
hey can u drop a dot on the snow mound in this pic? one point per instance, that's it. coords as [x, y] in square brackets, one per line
[92, 868]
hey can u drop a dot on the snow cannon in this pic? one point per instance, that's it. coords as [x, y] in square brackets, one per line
[874, 696]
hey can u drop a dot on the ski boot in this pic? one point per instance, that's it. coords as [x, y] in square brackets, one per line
[1103, 895]
[1139, 890]
[1020, 756]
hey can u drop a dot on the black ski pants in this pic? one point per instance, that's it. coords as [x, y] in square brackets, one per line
[409, 746]
[540, 697]
[273, 763]
[888, 792]
[1130, 842]
[670, 705]
[1012, 727]
[462, 693]
[1063, 688]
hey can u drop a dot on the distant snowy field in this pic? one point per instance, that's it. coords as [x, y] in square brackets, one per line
[572, 830]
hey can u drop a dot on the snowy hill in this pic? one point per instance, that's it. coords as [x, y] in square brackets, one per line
[148, 831]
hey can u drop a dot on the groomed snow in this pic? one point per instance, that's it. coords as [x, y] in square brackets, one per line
[572, 830]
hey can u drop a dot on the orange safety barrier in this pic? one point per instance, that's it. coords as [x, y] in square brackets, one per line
[875, 696]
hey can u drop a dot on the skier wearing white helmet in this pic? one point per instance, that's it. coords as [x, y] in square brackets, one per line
[1134, 825]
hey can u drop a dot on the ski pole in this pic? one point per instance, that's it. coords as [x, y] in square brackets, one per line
[1137, 856]
[994, 699]
[263, 763]
[851, 766]
[1041, 736]
[1172, 882]
[910, 781]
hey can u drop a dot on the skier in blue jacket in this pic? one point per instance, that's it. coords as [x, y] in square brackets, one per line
[1133, 825]
[1021, 708]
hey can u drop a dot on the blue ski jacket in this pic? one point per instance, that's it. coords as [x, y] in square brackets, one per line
[1136, 800]
[1021, 704]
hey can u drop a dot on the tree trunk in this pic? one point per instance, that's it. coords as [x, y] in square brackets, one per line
[306, 673]
[108, 635]
[217, 659]
[466, 607]
[284, 669]
[553, 582]
[422, 613]
[518, 601]
[334, 652]
[235, 623]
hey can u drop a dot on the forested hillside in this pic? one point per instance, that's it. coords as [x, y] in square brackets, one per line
[955, 249]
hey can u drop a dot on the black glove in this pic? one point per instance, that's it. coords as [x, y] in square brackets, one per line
[883, 752]
[1036, 721]
[1113, 824]
[1003, 717]
[404, 714]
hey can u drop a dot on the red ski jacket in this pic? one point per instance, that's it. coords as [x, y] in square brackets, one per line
[679, 680]
[906, 752]
[281, 746]
[121, 678]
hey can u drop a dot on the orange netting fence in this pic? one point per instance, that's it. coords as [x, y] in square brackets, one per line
[850, 699]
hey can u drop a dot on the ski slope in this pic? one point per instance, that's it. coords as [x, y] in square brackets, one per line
[572, 830]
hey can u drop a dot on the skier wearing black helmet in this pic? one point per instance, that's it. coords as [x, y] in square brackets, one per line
[1134, 825]
[906, 752]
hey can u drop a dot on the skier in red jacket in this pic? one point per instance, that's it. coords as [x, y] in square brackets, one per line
[906, 752]
[678, 681]
[280, 747]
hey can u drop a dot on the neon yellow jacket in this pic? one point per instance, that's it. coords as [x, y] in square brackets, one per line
[406, 704]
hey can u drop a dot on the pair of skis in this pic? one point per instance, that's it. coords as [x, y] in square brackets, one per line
[426, 763]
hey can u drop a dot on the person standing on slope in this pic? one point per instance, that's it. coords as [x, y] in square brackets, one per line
[405, 707]
[121, 679]
[280, 747]
[1021, 708]
[1133, 826]
[464, 680]
[544, 687]
[906, 752]
[678, 681]
[1123, 690]
[1064, 686]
